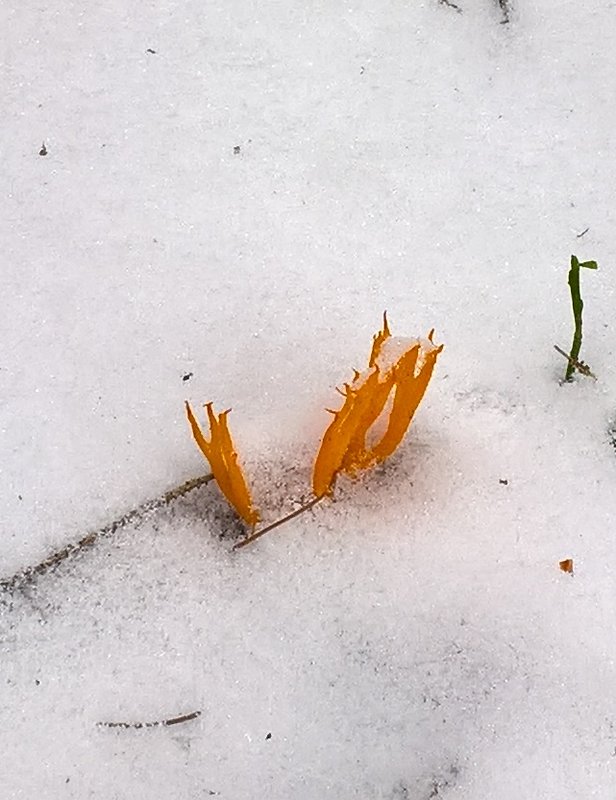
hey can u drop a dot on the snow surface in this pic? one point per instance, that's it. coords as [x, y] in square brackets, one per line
[414, 638]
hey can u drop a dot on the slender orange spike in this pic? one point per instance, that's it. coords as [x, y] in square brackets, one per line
[410, 390]
[216, 453]
[333, 447]
[343, 445]
[370, 403]
[222, 456]
[378, 340]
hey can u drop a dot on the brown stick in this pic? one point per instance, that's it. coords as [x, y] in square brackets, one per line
[28, 574]
[281, 521]
[451, 5]
[579, 365]
[156, 724]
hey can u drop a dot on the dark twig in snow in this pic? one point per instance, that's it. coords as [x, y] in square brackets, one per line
[281, 521]
[28, 574]
[611, 432]
[449, 4]
[156, 724]
[579, 235]
[506, 9]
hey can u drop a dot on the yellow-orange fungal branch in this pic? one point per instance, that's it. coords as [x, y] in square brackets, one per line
[410, 389]
[369, 404]
[377, 342]
[221, 454]
[393, 365]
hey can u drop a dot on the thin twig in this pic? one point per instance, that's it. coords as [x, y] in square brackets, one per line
[449, 4]
[506, 10]
[281, 521]
[579, 235]
[581, 366]
[28, 574]
[156, 724]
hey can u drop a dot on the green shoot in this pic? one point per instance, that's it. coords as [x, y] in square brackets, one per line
[578, 305]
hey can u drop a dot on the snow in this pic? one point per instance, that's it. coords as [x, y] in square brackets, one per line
[413, 637]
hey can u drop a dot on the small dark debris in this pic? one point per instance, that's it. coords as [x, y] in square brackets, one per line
[362, 69]
[503, 481]
[37, 682]
[68, 780]
[579, 235]
[187, 377]
[236, 149]
[269, 736]
[444, 783]
[19, 497]
[400, 791]
[149, 50]
[449, 4]
[506, 11]
[43, 150]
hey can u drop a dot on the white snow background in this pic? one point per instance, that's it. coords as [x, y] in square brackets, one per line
[413, 638]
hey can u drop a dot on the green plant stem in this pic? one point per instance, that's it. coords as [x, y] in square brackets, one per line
[578, 306]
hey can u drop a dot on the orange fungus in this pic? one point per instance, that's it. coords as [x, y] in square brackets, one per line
[396, 365]
[220, 453]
